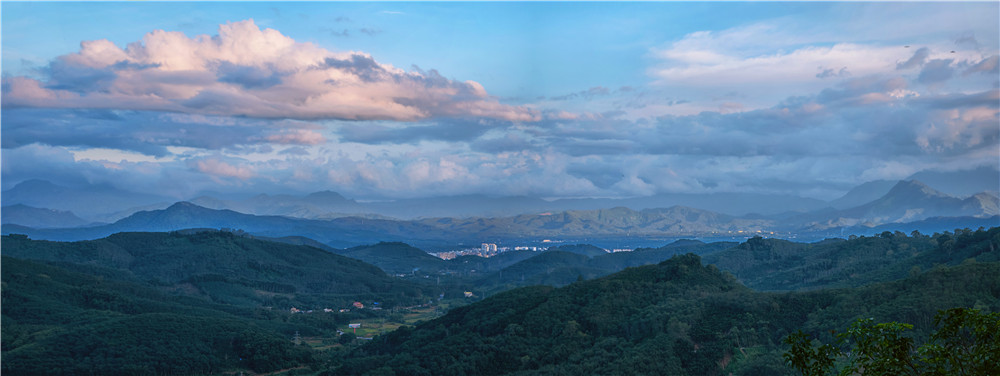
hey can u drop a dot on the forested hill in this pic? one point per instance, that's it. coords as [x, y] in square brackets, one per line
[395, 257]
[61, 322]
[225, 267]
[771, 264]
[774, 264]
[674, 318]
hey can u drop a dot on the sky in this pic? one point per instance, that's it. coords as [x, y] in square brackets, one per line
[553, 100]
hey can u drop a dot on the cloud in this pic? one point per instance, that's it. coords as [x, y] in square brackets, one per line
[603, 174]
[760, 108]
[586, 94]
[936, 71]
[918, 59]
[696, 65]
[451, 130]
[830, 72]
[249, 77]
[252, 72]
[968, 40]
[822, 144]
[363, 67]
[863, 123]
[149, 133]
[773, 59]
[990, 65]
[296, 137]
[218, 168]
[295, 150]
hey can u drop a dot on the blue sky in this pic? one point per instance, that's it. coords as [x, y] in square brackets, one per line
[383, 100]
[564, 45]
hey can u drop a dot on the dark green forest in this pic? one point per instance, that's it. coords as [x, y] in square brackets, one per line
[228, 268]
[678, 317]
[59, 322]
[218, 303]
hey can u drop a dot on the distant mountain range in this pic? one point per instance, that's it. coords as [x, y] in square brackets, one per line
[478, 206]
[95, 203]
[906, 202]
[106, 204]
[40, 218]
[338, 233]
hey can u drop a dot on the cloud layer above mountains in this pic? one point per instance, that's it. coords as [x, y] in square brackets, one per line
[757, 107]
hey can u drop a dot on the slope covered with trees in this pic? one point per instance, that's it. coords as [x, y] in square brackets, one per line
[395, 257]
[228, 268]
[197, 303]
[774, 264]
[58, 322]
[677, 317]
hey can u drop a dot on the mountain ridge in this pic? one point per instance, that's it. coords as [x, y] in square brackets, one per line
[907, 202]
[104, 203]
[40, 218]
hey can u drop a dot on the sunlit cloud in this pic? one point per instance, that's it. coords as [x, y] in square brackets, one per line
[249, 71]
[218, 168]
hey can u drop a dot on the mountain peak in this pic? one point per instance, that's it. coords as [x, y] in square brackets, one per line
[34, 185]
[914, 188]
[864, 194]
[181, 205]
[327, 196]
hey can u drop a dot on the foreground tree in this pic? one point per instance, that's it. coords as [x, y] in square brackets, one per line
[967, 342]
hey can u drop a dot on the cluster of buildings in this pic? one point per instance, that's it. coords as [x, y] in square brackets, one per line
[485, 250]
[491, 249]
[356, 305]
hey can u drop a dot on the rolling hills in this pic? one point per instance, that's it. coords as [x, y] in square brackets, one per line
[677, 317]
[40, 218]
[226, 268]
[196, 302]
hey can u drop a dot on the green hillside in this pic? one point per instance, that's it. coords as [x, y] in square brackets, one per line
[766, 264]
[646, 256]
[580, 249]
[227, 268]
[551, 268]
[773, 264]
[489, 264]
[210, 302]
[678, 318]
[60, 322]
[395, 257]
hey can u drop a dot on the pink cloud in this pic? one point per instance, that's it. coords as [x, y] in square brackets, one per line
[248, 71]
[298, 137]
[219, 168]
